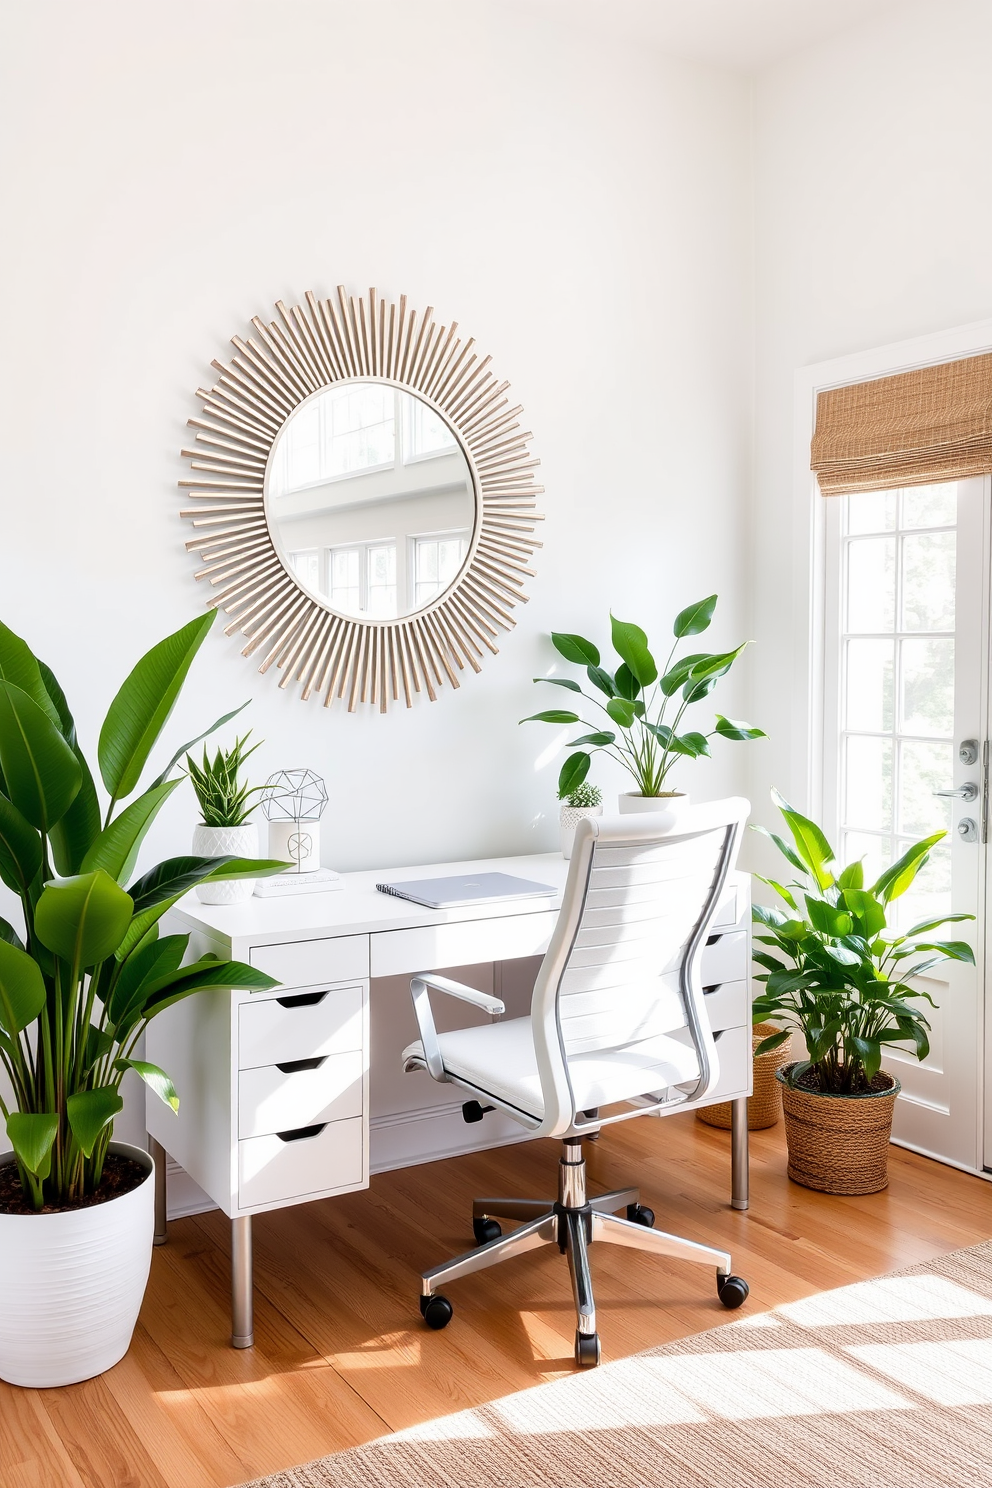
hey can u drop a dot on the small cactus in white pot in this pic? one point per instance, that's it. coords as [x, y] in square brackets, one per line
[225, 806]
[584, 800]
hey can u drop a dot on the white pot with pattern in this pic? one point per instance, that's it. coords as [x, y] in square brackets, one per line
[71, 1284]
[219, 842]
[568, 820]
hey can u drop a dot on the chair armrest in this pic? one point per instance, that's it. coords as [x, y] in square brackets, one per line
[420, 989]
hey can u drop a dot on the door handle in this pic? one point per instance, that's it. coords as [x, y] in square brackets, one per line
[968, 792]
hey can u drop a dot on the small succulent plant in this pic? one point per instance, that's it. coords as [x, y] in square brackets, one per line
[583, 795]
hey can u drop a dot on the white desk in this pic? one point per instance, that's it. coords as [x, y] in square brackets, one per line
[298, 1094]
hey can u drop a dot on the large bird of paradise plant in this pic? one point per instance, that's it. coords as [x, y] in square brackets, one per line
[86, 969]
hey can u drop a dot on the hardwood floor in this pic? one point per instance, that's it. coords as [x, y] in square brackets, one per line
[341, 1355]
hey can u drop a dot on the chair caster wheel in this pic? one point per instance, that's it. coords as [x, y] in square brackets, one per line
[641, 1214]
[437, 1311]
[732, 1290]
[587, 1350]
[486, 1230]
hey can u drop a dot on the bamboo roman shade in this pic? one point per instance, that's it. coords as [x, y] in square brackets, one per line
[933, 424]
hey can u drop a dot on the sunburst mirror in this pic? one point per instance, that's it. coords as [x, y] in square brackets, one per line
[364, 499]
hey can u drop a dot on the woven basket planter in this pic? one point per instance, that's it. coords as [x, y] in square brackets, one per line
[838, 1144]
[764, 1106]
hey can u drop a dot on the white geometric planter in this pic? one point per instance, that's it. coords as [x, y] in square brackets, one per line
[218, 842]
[568, 820]
[71, 1285]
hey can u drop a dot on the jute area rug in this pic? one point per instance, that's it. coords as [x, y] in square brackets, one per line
[885, 1384]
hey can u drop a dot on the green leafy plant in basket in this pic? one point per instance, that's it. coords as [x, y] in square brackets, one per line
[86, 970]
[834, 969]
[644, 704]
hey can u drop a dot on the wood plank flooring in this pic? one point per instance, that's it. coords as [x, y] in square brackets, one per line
[341, 1355]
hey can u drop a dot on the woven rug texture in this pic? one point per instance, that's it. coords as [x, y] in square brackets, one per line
[883, 1384]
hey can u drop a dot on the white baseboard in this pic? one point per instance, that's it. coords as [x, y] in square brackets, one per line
[406, 1138]
[185, 1196]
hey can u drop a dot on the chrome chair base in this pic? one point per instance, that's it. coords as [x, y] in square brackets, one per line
[572, 1223]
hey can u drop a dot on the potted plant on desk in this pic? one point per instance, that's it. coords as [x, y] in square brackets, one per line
[225, 807]
[843, 978]
[637, 731]
[79, 980]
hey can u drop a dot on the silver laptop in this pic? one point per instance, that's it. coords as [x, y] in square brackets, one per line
[467, 888]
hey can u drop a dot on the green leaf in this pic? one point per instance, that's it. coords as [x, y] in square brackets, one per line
[573, 772]
[83, 919]
[98, 1043]
[600, 740]
[866, 907]
[780, 890]
[925, 925]
[730, 728]
[952, 950]
[706, 673]
[783, 848]
[116, 849]
[627, 684]
[897, 879]
[19, 665]
[600, 677]
[150, 960]
[853, 876]
[176, 876]
[631, 645]
[695, 744]
[32, 1135]
[202, 976]
[773, 1041]
[89, 1111]
[811, 845]
[72, 835]
[156, 1079]
[9, 934]
[138, 713]
[575, 648]
[22, 988]
[695, 618]
[552, 715]
[676, 675]
[42, 773]
[20, 849]
[220, 722]
[621, 711]
[560, 682]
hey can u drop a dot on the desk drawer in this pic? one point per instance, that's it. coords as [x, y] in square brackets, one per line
[395, 952]
[304, 963]
[296, 1027]
[728, 1006]
[271, 1171]
[725, 959]
[275, 1099]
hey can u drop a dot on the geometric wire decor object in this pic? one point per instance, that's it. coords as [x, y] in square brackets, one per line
[368, 340]
[294, 795]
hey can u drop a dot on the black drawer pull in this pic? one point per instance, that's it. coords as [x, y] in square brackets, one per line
[291, 1066]
[301, 1133]
[302, 999]
[715, 987]
[712, 939]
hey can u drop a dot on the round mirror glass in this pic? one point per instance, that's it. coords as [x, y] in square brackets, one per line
[370, 500]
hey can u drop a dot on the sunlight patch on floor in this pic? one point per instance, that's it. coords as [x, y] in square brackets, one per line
[890, 1299]
[950, 1373]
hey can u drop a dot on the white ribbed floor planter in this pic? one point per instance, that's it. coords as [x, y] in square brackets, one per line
[219, 842]
[71, 1285]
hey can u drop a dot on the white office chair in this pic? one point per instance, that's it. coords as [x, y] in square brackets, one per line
[618, 1018]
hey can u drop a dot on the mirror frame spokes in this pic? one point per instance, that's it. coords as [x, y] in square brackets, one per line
[272, 372]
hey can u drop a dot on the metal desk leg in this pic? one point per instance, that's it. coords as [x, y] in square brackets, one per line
[738, 1154]
[242, 1308]
[159, 1158]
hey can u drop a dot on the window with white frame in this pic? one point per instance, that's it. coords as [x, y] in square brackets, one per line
[889, 716]
[436, 561]
[363, 579]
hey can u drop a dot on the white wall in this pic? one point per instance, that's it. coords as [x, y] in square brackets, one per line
[873, 211]
[579, 204]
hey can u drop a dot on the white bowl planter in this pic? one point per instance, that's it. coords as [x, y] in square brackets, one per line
[71, 1285]
[218, 842]
[568, 820]
[630, 801]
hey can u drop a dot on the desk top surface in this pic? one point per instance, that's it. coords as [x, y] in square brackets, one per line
[360, 909]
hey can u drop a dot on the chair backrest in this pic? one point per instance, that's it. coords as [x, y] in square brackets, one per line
[623, 963]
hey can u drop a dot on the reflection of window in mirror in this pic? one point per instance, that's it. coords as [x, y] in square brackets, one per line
[363, 579]
[424, 433]
[306, 566]
[436, 561]
[345, 587]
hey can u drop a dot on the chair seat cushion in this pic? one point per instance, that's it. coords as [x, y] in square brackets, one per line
[499, 1058]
